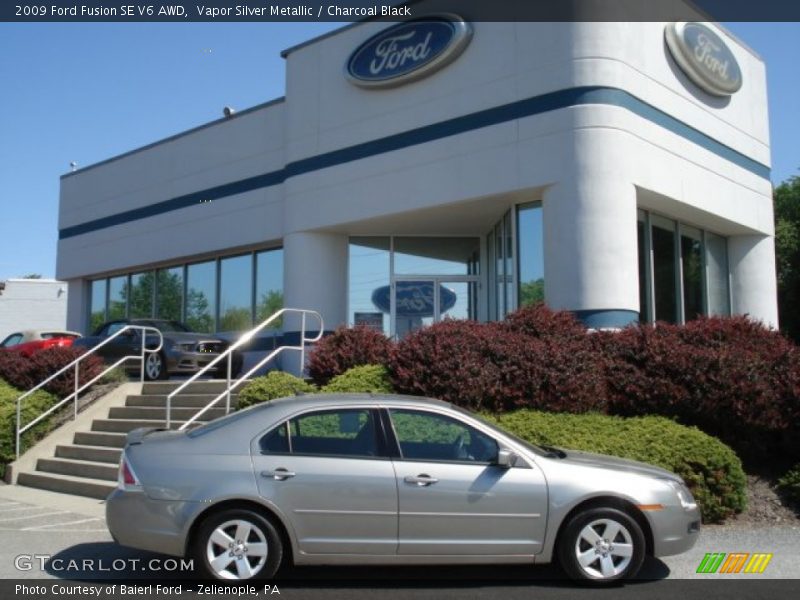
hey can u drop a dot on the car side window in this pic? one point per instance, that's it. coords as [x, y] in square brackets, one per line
[342, 432]
[12, 340]
[430, 436]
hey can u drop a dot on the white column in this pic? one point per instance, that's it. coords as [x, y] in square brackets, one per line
[754, 285]
[315, 278]
[78, 298]
[590, 240]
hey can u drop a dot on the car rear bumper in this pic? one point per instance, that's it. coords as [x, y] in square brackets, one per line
[137, 521]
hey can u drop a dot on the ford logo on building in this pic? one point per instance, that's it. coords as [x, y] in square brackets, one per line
[408, 51]
[704, 57]
[413, 299]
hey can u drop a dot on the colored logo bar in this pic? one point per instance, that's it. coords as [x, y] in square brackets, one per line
[735, 562]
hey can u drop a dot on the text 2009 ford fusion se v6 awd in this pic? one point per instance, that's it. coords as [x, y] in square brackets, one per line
[369, 479]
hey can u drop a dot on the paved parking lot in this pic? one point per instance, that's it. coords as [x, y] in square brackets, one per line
[34, 523]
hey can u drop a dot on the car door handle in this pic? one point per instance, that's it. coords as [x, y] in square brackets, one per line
[421, 480]
[278, 474]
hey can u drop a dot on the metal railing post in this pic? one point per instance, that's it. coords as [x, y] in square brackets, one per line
[19, 410]
[302, 343]
[228, 395]
[144, 345]
[77, 372]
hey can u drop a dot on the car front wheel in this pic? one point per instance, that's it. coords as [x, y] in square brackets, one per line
[238, 544]
[154, 366]
[602, 545]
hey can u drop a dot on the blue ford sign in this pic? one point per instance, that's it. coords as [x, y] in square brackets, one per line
[413, 298]
[704, 57]
[408, 51]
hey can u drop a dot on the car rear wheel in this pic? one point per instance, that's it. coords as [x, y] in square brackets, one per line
[238, 544]
[155, 367]
[602, 545]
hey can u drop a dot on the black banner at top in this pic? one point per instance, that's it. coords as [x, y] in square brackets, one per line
[395, 10]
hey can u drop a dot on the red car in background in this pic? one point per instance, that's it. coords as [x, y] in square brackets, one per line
[29, 342]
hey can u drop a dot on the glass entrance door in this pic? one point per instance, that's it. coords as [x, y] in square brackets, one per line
[418, 301]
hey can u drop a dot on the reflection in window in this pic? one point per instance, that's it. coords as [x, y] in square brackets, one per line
[428, 436]
[141, 296]
[717, 269]
[269, 285]
[117, 294]
[344, 432]
[531, 254]
[201, 296]
[169, 293]
[369, 277]
[235, 302]
[435, 255]
[692, 267]
[664, 269]
[97, 306]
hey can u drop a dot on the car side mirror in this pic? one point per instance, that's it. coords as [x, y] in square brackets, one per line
[506, 458]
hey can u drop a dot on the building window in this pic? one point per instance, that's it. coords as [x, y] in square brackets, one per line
[97, 303]
[249, 288]
[169, 294]
[530, 253]
[683, 271]
[369, 271]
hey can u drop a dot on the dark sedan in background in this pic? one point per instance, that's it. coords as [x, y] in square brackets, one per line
[183, 352]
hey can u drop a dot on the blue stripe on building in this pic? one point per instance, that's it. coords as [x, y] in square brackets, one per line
[485, 118]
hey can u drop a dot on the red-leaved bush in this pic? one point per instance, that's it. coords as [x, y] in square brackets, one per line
[490, 366]
[539, 321]
[24, 373]
[346, 348]
[731, 377]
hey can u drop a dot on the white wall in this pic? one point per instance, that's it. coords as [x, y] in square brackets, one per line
[32, 304]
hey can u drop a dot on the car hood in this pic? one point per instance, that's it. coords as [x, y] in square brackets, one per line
[185, 336]
[603, 461]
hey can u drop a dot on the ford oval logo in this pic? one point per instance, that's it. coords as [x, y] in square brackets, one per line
[408, 51]
[413, 298]
[704, 57]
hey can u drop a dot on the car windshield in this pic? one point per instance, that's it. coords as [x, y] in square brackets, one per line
[228, 420]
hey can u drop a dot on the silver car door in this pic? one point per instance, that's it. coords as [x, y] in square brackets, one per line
[454, 500]
[328, 472]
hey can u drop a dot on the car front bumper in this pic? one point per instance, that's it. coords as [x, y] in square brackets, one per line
[675, 530]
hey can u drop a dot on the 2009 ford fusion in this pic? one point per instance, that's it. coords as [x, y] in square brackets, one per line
[379, 479]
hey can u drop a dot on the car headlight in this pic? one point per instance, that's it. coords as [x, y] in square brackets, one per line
[683, 493]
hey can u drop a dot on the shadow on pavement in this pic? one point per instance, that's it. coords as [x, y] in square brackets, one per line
[99, 561]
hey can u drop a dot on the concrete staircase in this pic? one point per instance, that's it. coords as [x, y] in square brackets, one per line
[88, 466]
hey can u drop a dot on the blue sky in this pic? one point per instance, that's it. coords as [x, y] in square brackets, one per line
[86, 92]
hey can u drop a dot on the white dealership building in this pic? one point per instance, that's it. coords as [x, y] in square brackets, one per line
[439, 168]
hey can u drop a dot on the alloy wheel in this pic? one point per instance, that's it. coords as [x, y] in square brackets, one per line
[237, 549]
[604, 548]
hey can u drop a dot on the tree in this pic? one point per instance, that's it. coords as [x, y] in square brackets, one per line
[531, 292]
[787, 255]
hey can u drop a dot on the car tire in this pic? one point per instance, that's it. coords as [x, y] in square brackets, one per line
[237, 545]
[155, 366]
[601, 546]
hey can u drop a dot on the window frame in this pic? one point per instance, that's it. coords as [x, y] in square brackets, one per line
[382, 445]
[394, 440]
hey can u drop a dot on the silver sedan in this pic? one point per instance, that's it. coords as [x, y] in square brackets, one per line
[379, 479]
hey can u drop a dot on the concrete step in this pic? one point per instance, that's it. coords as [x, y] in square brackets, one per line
[78, 468]
[98, 438]
[155, 413]
[187, 401]
[126, 425]
[93, 453]
[202, 386]
[67, 484]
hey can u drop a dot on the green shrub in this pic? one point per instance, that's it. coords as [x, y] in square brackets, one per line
[710, 468]
[32, 407]
[789, 485]
[366, 378]
[276, 384]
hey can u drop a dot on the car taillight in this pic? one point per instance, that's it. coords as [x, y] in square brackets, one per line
[126, 475]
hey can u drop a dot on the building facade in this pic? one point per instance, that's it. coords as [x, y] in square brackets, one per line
[441, 168]
[32, 304]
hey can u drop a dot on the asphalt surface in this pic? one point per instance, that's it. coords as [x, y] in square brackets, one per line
[70, 532]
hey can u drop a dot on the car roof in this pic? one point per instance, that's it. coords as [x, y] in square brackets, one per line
[313, 400]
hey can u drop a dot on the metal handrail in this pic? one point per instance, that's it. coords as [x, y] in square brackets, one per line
[229, 354]
[79, 388]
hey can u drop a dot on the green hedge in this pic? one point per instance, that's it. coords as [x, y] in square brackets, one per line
[366, 378]
[276, 384]
[789, 485]
[710, 468]
[32, 407]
